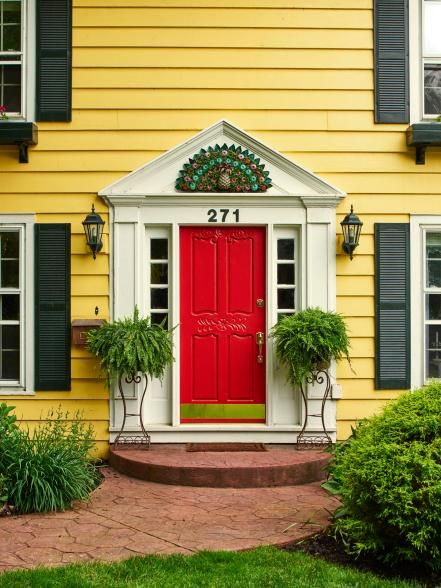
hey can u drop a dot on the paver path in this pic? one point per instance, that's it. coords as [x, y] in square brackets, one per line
[127, 517]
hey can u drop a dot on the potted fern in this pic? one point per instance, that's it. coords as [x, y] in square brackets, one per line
[131, 349]
[306, 343]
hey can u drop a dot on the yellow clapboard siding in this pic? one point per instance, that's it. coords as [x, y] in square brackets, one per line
[235, 17]
[397, 163]
[355, 285]
[360, 325]
[162, 140]
[386, 184]
[224, 99]
[356, 120]
[86, 265]
[362, 347]
[84, 306]
[79, 182]
[357, 410]
[85, 368]
[38, 409]
[89, 389]
[71, 205]
[218, 37]
[135, 77]
[88, 285]
[355, 305]
[361, 265]
[365, 390]
[361, 367]
[223, 57]
[334, 4]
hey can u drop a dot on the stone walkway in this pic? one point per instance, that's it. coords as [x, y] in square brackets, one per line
[126, 517]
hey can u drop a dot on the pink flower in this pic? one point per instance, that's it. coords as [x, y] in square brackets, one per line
[3, 112]
[241, 156]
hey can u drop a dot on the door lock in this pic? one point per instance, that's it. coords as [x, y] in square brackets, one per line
[260, 339]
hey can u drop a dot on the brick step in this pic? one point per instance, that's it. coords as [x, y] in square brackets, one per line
[280, 465]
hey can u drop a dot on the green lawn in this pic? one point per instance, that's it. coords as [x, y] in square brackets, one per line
[266, 567]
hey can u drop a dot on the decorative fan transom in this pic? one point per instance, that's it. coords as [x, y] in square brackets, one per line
[223, 169]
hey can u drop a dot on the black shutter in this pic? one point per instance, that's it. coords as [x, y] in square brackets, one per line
[54, 60]
[391, 53]
[52, 307]
[392, 306]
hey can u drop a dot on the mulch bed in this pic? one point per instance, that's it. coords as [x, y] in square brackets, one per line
[220, 447]
[330, 549]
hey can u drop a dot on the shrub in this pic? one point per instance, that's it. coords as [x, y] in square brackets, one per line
[388, 476]
[49, 468]
[131, 345]
[308, 340]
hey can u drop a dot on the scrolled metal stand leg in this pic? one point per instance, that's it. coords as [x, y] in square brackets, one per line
[124, 413]
[305, 418]
[125, 439]
[141, 421]
[325, 398]
[304, 441]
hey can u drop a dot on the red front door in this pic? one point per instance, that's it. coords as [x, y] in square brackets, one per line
[222, 324]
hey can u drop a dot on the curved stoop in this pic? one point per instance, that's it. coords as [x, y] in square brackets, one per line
[280, 465]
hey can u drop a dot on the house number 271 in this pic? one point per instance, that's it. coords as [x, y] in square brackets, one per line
[221, 215]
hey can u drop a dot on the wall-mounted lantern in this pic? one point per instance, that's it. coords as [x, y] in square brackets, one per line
[93, 227]
[351, 226]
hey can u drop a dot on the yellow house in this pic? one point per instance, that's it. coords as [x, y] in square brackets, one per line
[115, 104]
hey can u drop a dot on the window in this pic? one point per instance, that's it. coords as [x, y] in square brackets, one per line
[431, 53]
[286, 274]
[159, 276]
[432, 304]
[16, 304]
[10, 305]
[12, 56]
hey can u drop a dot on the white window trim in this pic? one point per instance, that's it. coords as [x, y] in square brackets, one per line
[24, 222]
[418, 225]
[28, 63]
[416, 69]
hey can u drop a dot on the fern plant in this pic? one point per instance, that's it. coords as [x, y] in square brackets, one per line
[130, 346]
[308, 340]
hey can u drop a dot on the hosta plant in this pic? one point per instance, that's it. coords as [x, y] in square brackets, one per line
[49, 467]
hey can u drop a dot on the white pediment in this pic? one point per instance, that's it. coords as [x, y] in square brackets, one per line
[157, 177]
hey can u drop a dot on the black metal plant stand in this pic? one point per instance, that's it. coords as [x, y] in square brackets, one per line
[321, 439]
[123, 438]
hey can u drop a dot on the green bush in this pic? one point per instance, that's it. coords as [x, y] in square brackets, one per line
[308, 340]
[388, 476]
[49, 468]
